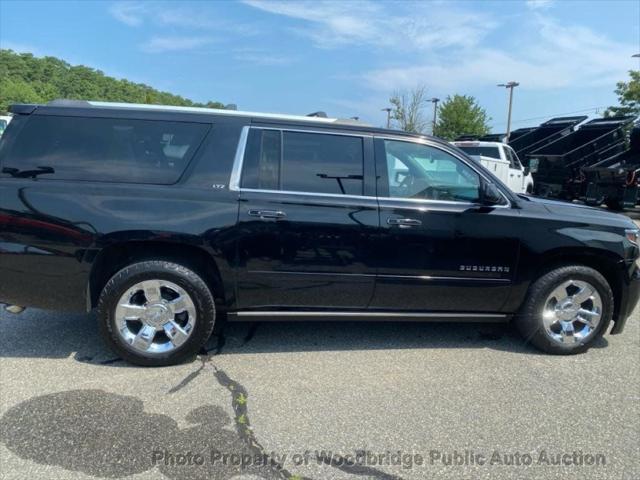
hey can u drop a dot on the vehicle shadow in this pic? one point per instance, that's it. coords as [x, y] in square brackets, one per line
[64, 335]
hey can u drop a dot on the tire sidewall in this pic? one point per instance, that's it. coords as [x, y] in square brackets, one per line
[531, 324]
[195, 287]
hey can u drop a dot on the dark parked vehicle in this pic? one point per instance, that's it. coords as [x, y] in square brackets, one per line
[535, 138]
[170, 220]
[557, 166]
[615, 179]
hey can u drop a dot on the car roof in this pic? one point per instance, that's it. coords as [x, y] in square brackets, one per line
[87, 107]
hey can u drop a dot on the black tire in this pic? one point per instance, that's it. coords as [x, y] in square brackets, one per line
[529, 320]
[529, 189]
[614, 204]
[180, 275]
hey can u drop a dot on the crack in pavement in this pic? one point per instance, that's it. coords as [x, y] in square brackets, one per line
[239, 400]
[32, 430]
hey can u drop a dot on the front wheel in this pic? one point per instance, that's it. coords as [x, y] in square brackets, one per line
[156, 313]
[567, 310]
[614, 204]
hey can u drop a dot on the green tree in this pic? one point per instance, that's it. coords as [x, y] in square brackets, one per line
[408, 110]
[628, 96]
[28, 79]
[460, 115]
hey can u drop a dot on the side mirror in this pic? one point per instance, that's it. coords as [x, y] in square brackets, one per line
[489, 194]
[526, 171]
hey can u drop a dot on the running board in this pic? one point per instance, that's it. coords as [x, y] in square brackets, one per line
[265, 315]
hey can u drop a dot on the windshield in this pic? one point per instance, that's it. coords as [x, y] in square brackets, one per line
[492, 152]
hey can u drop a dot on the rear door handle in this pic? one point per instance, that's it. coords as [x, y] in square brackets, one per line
[404, 222]
[267, 214]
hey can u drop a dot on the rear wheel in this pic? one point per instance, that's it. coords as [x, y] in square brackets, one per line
[156, 313]
[567, 310]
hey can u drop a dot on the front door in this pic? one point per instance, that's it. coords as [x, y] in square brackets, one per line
[439, 250]
[516, 174]
[305, 226]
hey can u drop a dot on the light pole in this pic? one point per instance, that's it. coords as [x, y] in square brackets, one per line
[435, 101]
[388, 110]
[510, 85]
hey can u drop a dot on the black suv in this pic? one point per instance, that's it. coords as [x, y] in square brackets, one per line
[170, 220]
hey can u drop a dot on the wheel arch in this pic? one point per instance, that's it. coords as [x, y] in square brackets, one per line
[606, 263]
[114, 257]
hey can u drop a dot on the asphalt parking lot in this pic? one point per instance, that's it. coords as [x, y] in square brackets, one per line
[317, 400]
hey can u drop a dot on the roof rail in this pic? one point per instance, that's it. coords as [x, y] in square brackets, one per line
[66, 102]
[318, 117]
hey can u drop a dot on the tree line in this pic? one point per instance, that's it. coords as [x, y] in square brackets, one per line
[28, 79]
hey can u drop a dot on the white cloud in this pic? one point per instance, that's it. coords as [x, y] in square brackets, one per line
[129, 13]
[174, 44]
[538, 4]
[413, 25]
[263, 58]
[449, 45]
[555, 56]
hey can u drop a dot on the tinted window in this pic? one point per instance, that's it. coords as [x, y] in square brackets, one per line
[491, 152]
[106, 149]
[303, 162]
[423, 172]
[513, 159]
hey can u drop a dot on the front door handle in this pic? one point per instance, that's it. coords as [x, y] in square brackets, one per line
[267, 214]
[404, 222]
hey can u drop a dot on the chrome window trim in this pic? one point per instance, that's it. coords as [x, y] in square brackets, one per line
[309, 194]
[238, 161]
[236, 171]
[309, 130]
[453, 153]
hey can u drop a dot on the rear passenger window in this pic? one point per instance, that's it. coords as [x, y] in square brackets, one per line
[106, 149]
[304, 162]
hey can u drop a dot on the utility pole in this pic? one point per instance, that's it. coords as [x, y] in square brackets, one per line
[510, 85]
[388, 110]
[435, 101]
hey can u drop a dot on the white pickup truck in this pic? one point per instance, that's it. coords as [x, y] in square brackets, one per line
[500, 159]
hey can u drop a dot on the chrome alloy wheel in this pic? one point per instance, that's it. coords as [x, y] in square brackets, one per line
[155, 316]
[572, 312]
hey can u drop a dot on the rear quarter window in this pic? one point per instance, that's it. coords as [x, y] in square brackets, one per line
[106, 149]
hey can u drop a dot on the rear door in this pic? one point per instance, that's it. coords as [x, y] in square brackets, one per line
[308, 214]
[439, 250]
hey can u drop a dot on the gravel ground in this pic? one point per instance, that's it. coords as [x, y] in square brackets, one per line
[317, 400]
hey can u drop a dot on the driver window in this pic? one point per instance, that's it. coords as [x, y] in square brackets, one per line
[513, 159]
[419, 171]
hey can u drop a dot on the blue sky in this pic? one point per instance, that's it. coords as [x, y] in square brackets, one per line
[346, 57]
